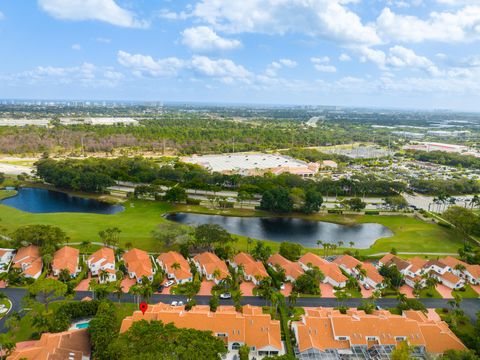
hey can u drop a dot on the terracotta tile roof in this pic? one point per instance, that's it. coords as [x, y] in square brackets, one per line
[386, 258]
[417, 264]
[399, 263]
[73, 344]
[372, 272]
[435, 262]
[348, 261]
[452, 262]
[327, 268]
[212, 262]
[311, 258]
[251, 326]
[28, 258]
[66, 258]
[106, 254]
[320, 329]
[173, 257]
[255, 269]
[243, 259]
[451, 278]
[474, 270]
[138, 262]
[292, 269]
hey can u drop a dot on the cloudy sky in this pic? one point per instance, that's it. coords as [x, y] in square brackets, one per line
[395, 53]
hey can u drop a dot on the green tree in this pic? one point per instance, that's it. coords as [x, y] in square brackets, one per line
[313, 201]
[261, 251]
[46, 290]
[277, 200]
[458, 355]
[103, 329]
[464, 220]
[210, 234]
[401, 352]
[175, 194]
[309, 282]
[243, 352]
[355, 204]
[290, 251]
[154, 340]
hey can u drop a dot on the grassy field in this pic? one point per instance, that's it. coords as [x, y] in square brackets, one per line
[7, 193]
[469, 293]
[141, 217]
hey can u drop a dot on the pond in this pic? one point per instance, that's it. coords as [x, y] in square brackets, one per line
[305, 232]
[48, 201]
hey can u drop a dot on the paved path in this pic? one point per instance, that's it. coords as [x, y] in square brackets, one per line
[469, 306]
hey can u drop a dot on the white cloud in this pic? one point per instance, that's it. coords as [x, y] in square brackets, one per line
[224, 69]
[274, 66]
[146, 65]
[401, 57]
[104, 40]
[76, 47]
[329, 19]
[100, 10]
[85, 74]
[460, 26]
[344, 57]
[202, 38]
[322, 64]
[2, 16]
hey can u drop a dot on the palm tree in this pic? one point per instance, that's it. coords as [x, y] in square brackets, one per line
[103, 275]
[460, 268]
[402, 298]
[216, 274]
[361, 272]
[340, 243]
[292, 299]
[377, 294]
[319, 243]
[351, 243]
[92, 285]
[249, 242]
[118, 289]
[417, 287]
[176, 266]
[146, 289]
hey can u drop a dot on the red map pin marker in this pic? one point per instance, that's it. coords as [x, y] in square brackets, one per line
[143, 307]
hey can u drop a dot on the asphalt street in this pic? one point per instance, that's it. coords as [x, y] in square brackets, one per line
[470, 306]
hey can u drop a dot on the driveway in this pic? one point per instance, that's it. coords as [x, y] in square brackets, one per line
[127, 284]
[407, 290]
[246, 288]
[366, 293]
[446, 292]
[83, 285]
[288, 289]
[327, 290]
[206, 288]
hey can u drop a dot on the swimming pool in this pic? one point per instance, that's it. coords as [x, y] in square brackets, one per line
[83, 325]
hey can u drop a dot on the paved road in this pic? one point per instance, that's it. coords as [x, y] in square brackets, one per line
[469, 306]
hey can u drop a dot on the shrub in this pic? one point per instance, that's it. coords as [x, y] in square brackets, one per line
[335, 211]
[191, 201]
[372, 212]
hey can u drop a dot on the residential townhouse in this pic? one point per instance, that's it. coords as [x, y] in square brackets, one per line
[211, 266]
[102, 262]
[333, 274]
[415, 269]
[71, 345]
[28, 259]
[175, 266]
[324, 333]
[66, 258]
[351, 265]
[292, 269]
[251, 326]
[138, 264]
[6, 256]
[470, 273]
[254, 271]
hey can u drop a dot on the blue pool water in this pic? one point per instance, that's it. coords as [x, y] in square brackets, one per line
[82, 325]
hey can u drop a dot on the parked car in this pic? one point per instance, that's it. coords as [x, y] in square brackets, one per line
[174, 303]
[366, 286]
[282, 286]
[160, 288]
[225, 296]
[169, 283]
[180, 303]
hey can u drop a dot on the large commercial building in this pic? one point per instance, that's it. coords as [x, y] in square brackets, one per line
[254, 164]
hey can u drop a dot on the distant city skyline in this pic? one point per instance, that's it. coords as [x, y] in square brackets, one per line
[397, 54]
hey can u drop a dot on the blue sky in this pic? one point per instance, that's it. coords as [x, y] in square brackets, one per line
[394, 53]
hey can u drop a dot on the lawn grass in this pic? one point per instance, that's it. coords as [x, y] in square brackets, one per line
[26, 330]
[434, 294]
[7, 193]
[141, 217]
[469, 293]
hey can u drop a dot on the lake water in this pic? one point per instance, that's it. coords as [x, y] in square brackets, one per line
[47, 201]
[305, 232]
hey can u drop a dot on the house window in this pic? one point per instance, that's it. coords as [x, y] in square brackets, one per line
[400, 338]
[342, 338]
[235, 346]
[371, 338]
[222, 335]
